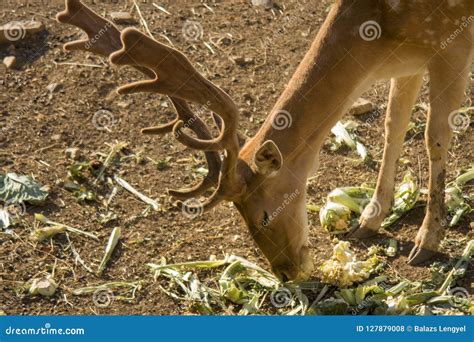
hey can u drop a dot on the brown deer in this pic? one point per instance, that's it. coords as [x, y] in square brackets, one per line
[361, 41]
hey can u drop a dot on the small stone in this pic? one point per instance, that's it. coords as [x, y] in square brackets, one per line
[43, 286]
[73, 153]
[239, 61]
[123, 104]
[18, 30]
[123, 18]
[361, 106]
[56, 137]
[249, 60]
[10, 62]
[59, 183]
[243, 61]
[264, 3]
[55, 87]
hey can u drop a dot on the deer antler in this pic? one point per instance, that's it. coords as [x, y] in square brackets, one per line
[175, 76]
[181, 82]
[103, 35]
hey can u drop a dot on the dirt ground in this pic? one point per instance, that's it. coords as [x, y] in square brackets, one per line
[37, 126]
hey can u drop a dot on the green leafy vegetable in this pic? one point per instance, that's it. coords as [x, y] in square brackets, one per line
[240, 283]
[19, 189]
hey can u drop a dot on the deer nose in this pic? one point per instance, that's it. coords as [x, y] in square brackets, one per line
[296, 273]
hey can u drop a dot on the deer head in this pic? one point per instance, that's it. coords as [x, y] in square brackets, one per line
[253, 177]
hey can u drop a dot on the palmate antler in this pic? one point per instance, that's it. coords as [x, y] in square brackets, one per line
[173, 75]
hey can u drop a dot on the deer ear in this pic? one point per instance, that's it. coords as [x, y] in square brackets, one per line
[268, 158]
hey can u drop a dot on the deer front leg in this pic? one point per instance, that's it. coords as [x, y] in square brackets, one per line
[403, 94]
[447, 86]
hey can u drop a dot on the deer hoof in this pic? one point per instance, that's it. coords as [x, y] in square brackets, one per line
[419, 255]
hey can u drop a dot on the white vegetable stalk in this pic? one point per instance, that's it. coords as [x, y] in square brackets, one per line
[335, 217]
[344, 135]
[113, 240]
[343, 204]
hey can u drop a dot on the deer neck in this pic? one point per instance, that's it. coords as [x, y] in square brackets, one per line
[328, 81]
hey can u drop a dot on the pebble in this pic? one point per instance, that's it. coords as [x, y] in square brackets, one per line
[73, 153]
[361, 106]
[55, 87]
[123, 18]
[9, 62]
[15, 31]
[264, 3]
[241, 61]
[56, 137]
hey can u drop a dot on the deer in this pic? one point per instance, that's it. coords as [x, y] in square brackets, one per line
[359, 43]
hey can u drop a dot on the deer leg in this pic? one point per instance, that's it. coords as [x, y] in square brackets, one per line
[403, 94]
[448, 81]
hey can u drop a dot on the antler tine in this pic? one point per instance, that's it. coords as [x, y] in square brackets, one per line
[161, 129]
[175, 76]
[104, 39]
[103, 35]
[213, 161]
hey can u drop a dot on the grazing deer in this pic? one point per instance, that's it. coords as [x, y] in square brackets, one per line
[359, 43]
